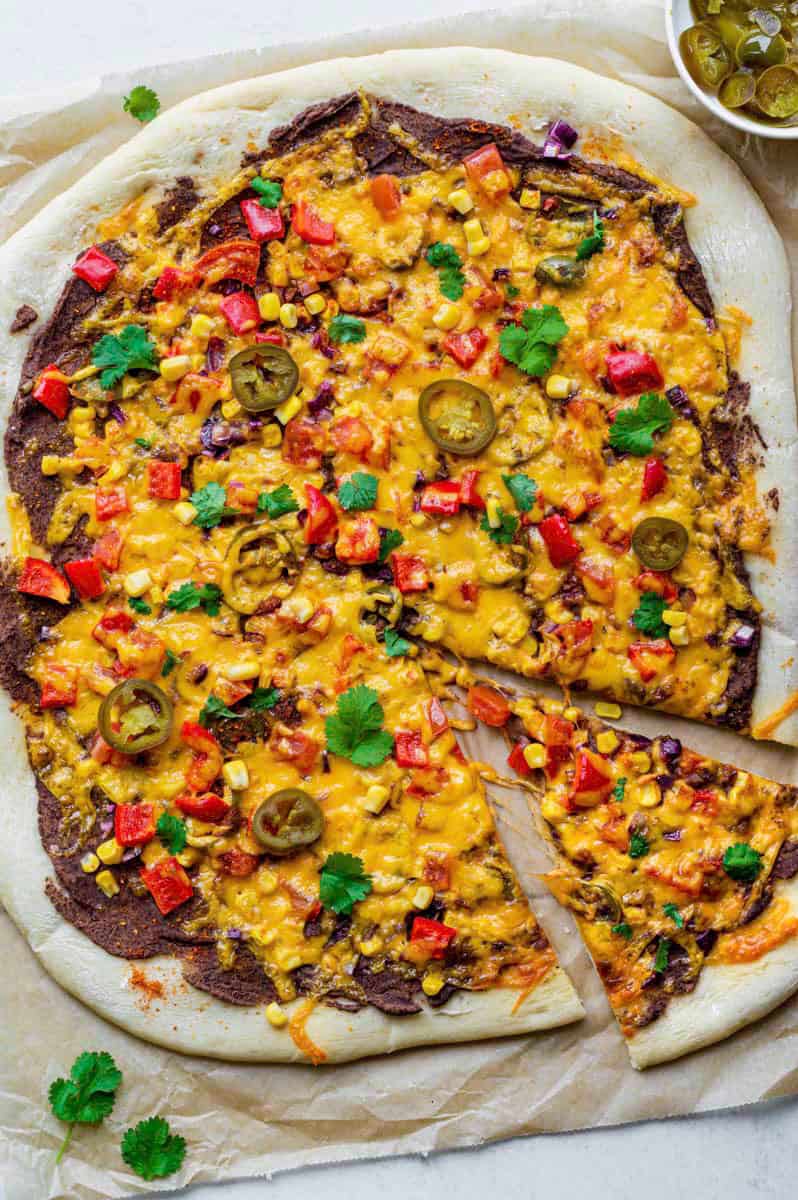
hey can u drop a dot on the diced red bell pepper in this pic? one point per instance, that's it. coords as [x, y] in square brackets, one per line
[96, 268]
[295, 746]
[650, 658]
[560, 542]
[598, 579]
[304, 443]
[134, 824]
[237, 259]
[108, 549]
[441, 499]
[655, 476]
[238, 863]
[264, 224]
[469, 496]
[322, 519]
[205, 807]
[557, 734]
[465, 348]
[40, 578]
[274, 337]
[575, 637]
[171, 281]
[163, 480]
[310, 227]
[110, 502]
[86, 577]
[241, 312]
[516, 760]
[52, 393]
[111, 624]
[434, 935]
[409, 573]
[59, 687]
[385, 196]
[656, 581]
[593, 779]
[168, 884]
[485, 168]
[358, 541]
[488, 705]
[705, 801]
[469, 592]
[437, 718]
[409, 749]
[632, 372]
[104, 754]
[351, 435]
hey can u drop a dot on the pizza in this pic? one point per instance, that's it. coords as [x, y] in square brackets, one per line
[301, 392]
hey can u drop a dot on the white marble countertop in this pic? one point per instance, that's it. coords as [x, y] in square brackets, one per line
[727, 1156]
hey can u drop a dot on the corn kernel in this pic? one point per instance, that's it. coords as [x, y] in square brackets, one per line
[137, 582]
[551, 810]
[371, 946]
[117, 470]
[423, 896]
[247, 668]
[201, 327]
[571, 714]
[607, 710]
[267, 882]
[175, 367]
[376, 798]
[89, 863]
[231, 409]
[674, 618]
[418, 520]
[648, 795]
[535, 755]
[276, 1016]
[447, 316]
[288, 410]
[235, 774]
[641, 761]
[558, 387]
[50, 463]
[188, 857]
[460, 200]
[679, 636]
[479, 247]
[271, 436]
[288, 316]
[300, 608]
[110, 852]
[432, 983]
[185, 512]
[107, 883]
[315, 304]
[606, 742]
[529, 198]
[473, 230]
[493, 514]
[269, 306]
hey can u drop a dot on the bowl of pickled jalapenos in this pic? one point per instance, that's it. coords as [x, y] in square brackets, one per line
[740, 58]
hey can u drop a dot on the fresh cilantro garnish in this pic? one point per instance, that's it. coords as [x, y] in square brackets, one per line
[270, 192]
[647, 617]
[623, 930]
[638, 846]
[138, 605]
[169, 663]
[142, 103]
[662, 956]
[343, 882]
[210, 504]
[395, 644]
[87, 1096]
[262, 699]
[189, 596]
[594, 242]
[152, 1150]
[522, 489]
[448, 263]
[532, 345]
[172, 832]
[277, 503]
[355, 730]
[390, 539]
[672, 911]
[359, 491]
[503, 534]
[145, 443]
[214, 708]
[511, 291]
[742, 862]
[633, 429]
[619, 789]
[344, 329]
[130, 350]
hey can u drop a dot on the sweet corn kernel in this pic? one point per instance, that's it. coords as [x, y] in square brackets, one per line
[269, 306]
[188, 857]
[236, 775]
[89, 863]
[315, 304]
[185, 512]
[679, 636]
[480, 246]
[271, 436]
[247, 668]
[535, 755]
[117, 470]
[201, 326]
[558, 387]
[276, 1016]
[641, 761]
[607, 710]
[267, 882]
[175, 367]
[288, 410]
[473, 230]
[551, 810]
[571, 714]
[107, 883]
[529, 198]
[493, 514]
[422, 897]
[50, 463]
[460, 200]
[432, 983]
[447, 316]
[288, 316]
[110, 852]
[606, 742]
[674, 618]
[231, 409]
[418, 520]
[137, 582]
[301, 609]
[371, 946]
[648, 795]
[376, 798]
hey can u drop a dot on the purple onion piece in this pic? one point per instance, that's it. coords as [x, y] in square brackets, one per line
[321, 342]
[671, 750]
[673, 835]
[664, 782]
[214, 355]
[640, 740]
[743, 637]
[218, 436]
[235, 935]
[106, 824]
[320, 406]
[116, 412]
[131, 853]
[559, 140]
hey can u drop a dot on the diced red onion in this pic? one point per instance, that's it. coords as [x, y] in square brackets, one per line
[671, 750]
[743, 637]
[559, 140]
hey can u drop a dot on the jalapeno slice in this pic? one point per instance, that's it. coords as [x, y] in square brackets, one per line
[737, 89]
[135, 716]
[260, 559]
[263, 377]
[457, 416]
[561, 271]
[756, 49]
[777, 92]
[659, 543]
[706, 57]
[287, 821]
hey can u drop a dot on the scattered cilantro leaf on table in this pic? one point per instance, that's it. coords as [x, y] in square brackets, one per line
[152, 1150]
[188, 596]
[343, 882]
[277, 503]
[355, 730]
[523, 490]
[130, 350]
[448, 263]
[142, 103]
[88, 1095]
[532, 345]
[270, 192]
[172, 832]
[647, 617]
[633, 429]
[594, 242]
[343, 329]
[358, 492]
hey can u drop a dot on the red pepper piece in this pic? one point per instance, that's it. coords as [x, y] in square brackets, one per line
[168, 884]
[264, 224]
[557, 734]
[434, 935]
[442, 499]
[322, 519]
[593, 779]
[560, 542]
[241, 312]
[310, 227]
[358, 541]
[632, 372]
[295, 746]
[488, 705]
[305, 442]
[171, 281]
[409, 749]
[351, 435]
[96, 268]
[237, 259]
[274, 337]
[705, 801]
[385, 196]
[238, 863]
[108, 626]
[650, 658]
[40, 578]
[465, 348]
[516, 760]
[409, 573]
[655, 476]
[205, 807]
[134, 824]
[110, 502]
[108, 549]
[60, 687]
[52, 393]
[86, 577]
[485, 168]
[469, 496]
[163, 480]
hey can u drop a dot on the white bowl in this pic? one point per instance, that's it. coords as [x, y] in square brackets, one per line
[678, 17]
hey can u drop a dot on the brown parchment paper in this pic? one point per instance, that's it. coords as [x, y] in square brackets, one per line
[241, 1121]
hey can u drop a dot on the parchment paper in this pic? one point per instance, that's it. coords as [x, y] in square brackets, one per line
[241, 1121]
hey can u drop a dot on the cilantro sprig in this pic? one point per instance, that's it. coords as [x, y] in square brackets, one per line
[672, 911]
[395, 644]
[87, 1096]
[358, 492]
[270, 192]
[343, 329]
[152, 1150]
[188, 596]
[662, 956]
[619, 789]
[623, 929]
[523, 490]
[355, 730]
[211, 505]
[343, 882]
[390, 539]
[142, 103]
[594, 242]
[118, 353]
[262, 699]
[172, 832]
[504, 533]
[647, 617]
[633, 429]
[213, 709]
[638, 846]
[532, 345]
[171, 660]
[140, 606]
[279, 502]
[742, 862]
[448, 263]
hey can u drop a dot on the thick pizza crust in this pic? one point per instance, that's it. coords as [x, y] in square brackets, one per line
[205, 138]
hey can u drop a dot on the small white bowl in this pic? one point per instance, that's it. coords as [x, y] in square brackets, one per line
[678, 17]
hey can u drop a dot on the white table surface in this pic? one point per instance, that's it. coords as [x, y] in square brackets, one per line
[745, 1153]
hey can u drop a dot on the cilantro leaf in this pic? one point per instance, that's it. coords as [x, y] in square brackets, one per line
[344, 329]
[633, 429]
[152, 1150]
[448, 263]
[594, 243]
[145, 443]
[262, 699]
[210, 503]
[188, 596]
[355, 730]
[672, 911]
[172, 832]
[214, 708]
[359, 491]
[511, 291]
[638, 846]
[169, 663]
[623, 930]
[270, 192]
[522, 489]
[443, 254]
[87, 1096]
[647, 617]
[390, 539]
[662, 956]
[619, 789]
[451, 282]
[138, 605]
[532, 345]
[278, 502]
[504, 533]
[343, 882]
[742, 862]
[142, 103]
[130, 350]
[395, 644]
